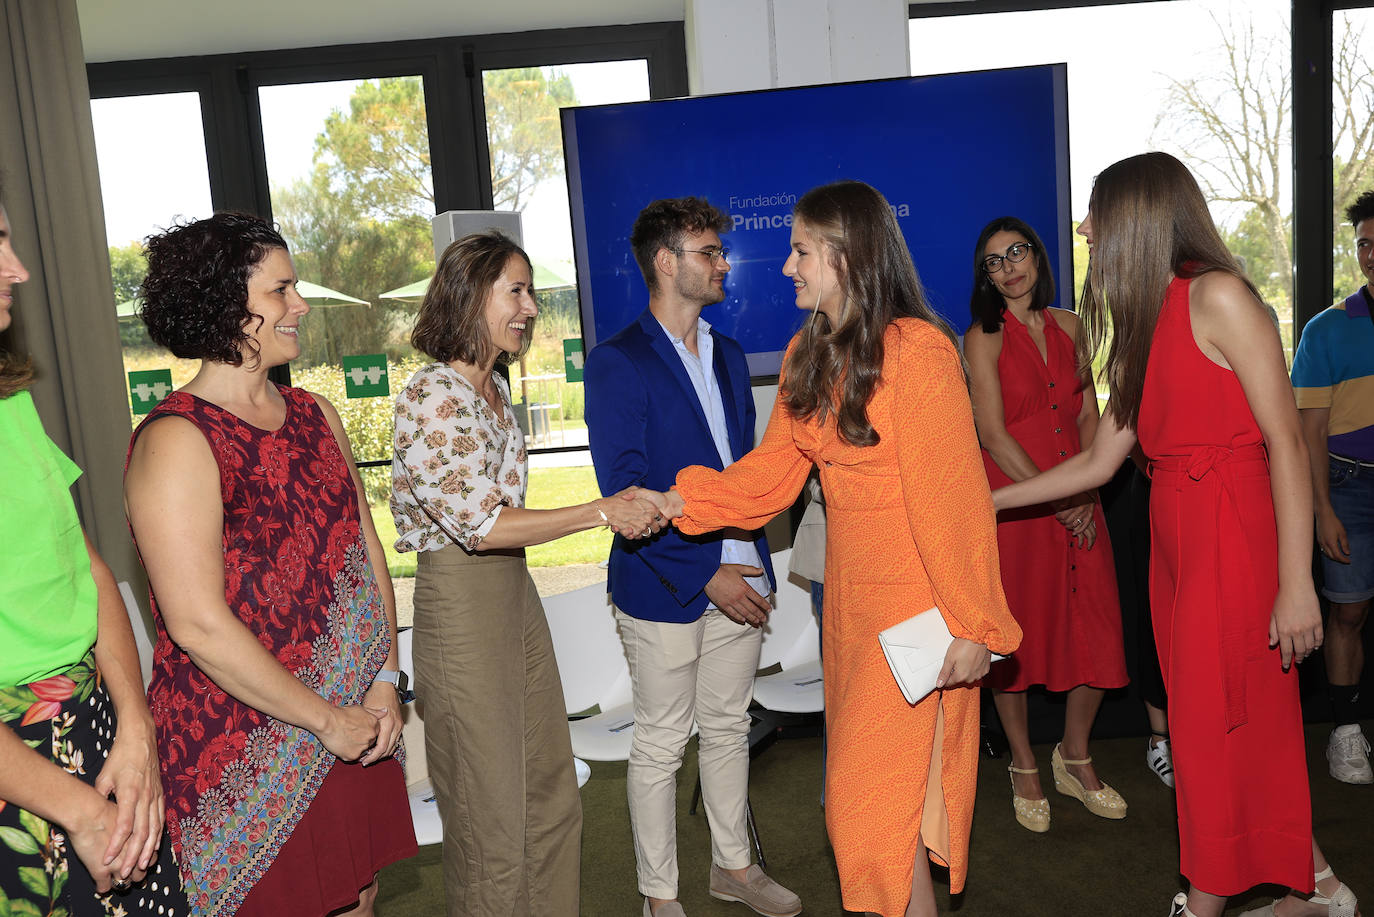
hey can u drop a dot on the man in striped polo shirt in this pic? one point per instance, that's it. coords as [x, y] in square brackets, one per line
[1333, 379]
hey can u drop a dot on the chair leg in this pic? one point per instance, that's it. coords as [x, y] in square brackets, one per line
[754, 833]
[748, 817]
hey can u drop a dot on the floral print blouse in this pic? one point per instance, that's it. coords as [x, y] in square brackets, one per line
[455, 462]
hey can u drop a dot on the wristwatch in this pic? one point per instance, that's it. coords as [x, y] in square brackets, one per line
[398, 680]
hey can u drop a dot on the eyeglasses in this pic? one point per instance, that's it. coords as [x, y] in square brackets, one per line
[716, 255]
[1016, 254]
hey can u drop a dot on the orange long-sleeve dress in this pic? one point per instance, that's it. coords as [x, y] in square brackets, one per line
[910, 525]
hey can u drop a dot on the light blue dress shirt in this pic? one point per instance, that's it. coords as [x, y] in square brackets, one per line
[700, 368]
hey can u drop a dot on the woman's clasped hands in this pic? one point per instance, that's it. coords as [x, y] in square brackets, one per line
[1076, 515]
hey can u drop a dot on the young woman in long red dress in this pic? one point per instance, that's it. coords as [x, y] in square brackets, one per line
[1196, 371]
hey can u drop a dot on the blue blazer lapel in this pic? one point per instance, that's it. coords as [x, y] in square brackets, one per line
[727, 397]
[659, 341]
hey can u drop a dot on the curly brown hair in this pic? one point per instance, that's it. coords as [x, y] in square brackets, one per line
[450, 325]
[195, 294]
[663, 223]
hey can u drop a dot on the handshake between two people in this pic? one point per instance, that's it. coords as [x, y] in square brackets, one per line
[637, 512]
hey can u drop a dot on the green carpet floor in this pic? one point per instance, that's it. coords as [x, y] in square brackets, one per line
[1083, 867]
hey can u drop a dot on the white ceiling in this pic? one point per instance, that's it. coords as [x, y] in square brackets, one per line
[134, 29]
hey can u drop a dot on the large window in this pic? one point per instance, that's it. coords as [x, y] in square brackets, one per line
[151, 155]
[352, 150]
[1206, 80]
[1352, 136]
[524, 142]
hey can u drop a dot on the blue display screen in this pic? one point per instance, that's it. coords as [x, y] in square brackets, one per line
[949, 152]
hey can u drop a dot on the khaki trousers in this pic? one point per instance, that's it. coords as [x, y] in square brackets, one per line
[496, 734]
[702, 671]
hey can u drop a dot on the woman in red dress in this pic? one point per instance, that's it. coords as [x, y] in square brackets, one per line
[1033, 408]
[276, 720]
[1196, 371]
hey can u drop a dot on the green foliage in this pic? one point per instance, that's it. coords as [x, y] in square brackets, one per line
[369, 422]
[554, 487]
[127, 267]
[1253, 242]
[523, 132]
[377, 153]
[18, 841]
[359, 223]
[35, 880]
[1345, 275]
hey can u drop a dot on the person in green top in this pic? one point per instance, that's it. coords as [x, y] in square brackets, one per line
[78, 761]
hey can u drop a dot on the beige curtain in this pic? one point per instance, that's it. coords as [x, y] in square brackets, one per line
[64, 316]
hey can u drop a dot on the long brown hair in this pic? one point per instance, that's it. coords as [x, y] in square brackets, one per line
[15, 374]
[1150, 224]
[837, 369]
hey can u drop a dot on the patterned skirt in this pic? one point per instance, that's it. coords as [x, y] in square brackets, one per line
[68, 718]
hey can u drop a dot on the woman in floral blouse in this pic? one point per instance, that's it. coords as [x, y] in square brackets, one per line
[496, 729]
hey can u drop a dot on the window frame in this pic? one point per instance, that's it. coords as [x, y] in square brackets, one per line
[1313, 197]
[450, 67]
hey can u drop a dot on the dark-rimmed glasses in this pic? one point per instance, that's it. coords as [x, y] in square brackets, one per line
[716, 255]
[1016, 254]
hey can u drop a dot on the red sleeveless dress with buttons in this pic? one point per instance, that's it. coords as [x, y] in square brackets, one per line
[1244, 811]
[1063, 596]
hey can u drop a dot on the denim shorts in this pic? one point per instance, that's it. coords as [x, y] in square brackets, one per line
[1352, 497]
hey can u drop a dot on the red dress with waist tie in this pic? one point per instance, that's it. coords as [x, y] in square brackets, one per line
[1244, 811]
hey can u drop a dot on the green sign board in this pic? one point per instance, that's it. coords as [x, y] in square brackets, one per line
[572, 359]
[147, 387]
[365, 376]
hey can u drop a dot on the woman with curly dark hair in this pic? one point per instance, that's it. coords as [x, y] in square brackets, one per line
[1033, 406]
[274, 687]
[80, 815]
[873, 395]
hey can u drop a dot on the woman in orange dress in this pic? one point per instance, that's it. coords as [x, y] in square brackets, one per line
[873, 394]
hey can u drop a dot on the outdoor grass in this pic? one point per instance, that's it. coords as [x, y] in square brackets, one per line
[549, 488]
[554, 487]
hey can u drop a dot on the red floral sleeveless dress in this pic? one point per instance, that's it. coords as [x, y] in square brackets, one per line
[252, 801]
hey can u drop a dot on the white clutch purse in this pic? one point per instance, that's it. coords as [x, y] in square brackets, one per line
[915, 651]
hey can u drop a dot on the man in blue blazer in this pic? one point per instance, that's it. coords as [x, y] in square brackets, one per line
[664, 393]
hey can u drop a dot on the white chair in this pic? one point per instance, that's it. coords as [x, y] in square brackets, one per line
[591, 663]
[791, 640]
[424, 811]
[144, 634]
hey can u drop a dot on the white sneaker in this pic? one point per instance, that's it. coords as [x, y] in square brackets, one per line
[1348, 755]
[1161, 761]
